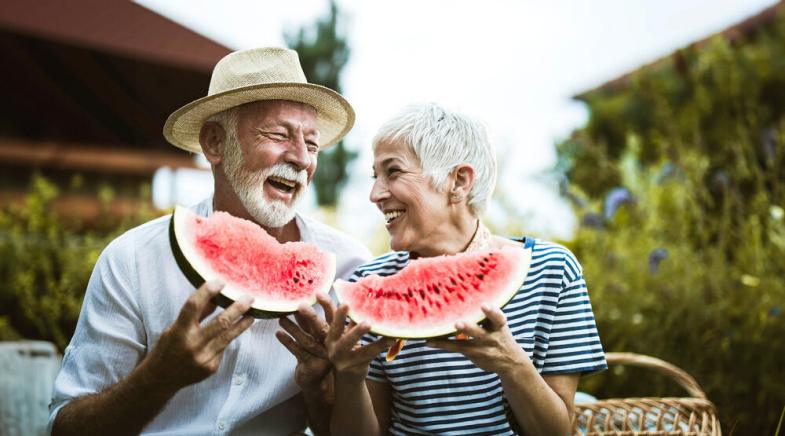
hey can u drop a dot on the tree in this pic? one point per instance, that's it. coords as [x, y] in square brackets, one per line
[679, 177]
[323, 54]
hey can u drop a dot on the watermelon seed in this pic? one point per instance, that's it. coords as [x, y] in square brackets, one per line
[480, 276]
[422, 294]
[436, 289]
[310, 281]
[296, 280]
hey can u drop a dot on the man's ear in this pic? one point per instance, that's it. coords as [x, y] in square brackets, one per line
[462, 181]
[212, 138]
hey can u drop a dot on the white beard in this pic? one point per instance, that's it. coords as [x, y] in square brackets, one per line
[249, 187]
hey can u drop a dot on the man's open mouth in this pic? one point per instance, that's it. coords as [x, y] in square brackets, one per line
[281, 184]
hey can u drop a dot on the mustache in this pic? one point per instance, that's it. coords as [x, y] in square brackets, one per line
[288, 172]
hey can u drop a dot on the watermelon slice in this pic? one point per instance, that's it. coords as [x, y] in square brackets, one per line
[249, 261]
[427, 297]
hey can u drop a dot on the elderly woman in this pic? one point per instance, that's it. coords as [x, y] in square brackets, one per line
[434, 173]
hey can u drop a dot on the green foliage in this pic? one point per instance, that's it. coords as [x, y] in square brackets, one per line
[323, 54]
[45, 266]
[691, 269]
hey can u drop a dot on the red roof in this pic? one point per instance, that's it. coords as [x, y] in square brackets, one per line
[114, 26]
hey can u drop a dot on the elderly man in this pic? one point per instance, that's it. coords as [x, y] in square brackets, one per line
[149, 354]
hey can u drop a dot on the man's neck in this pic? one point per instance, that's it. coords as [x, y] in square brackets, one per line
[288, 233]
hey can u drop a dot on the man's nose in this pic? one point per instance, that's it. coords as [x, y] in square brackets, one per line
[297, 154]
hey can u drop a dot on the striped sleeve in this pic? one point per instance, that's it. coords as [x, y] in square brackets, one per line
[573, 343]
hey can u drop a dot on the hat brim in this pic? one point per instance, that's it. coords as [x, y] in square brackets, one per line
[334, 115]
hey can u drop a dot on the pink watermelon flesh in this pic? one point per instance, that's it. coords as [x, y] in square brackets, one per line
[430, 295]
[251, 262]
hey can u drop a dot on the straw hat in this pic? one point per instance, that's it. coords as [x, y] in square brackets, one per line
[259, 74]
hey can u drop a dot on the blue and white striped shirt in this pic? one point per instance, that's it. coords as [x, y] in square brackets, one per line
[435, 391]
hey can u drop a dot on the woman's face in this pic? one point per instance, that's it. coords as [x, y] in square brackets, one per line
[413, 209]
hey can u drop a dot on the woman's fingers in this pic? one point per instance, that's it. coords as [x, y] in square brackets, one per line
[448, 345]
[368, 352]
[495, 319]
[470, 329]
[353, 335]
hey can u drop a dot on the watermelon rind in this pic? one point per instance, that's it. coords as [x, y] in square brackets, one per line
[514, 283]
[198, 272]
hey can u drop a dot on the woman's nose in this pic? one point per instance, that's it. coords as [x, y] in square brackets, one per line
[379, 191]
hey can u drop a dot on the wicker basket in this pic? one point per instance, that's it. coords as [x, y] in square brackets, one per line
[694, 415]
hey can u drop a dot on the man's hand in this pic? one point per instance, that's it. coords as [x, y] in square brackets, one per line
[306, 343]
[351, 360]
[188, 352]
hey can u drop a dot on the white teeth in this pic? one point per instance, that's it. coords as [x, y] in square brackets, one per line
[289, 183]
[389, 216]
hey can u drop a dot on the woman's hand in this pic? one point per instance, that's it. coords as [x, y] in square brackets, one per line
[350, 360]
[492, 348]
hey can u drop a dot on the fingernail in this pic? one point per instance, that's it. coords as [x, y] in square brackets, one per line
[215, 285]
[247, 299]
[485, 307]
[460, 325]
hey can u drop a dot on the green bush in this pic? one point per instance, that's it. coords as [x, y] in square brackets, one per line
[45, 266]
[679, 179]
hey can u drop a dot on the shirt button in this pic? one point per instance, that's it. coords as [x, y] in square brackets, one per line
[221, 425]
[238, 380]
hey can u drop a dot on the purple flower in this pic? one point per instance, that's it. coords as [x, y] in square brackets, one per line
[615, 199]
[655, 257]
[593, 220]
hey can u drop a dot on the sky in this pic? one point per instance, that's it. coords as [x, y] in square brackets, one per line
[514, 64]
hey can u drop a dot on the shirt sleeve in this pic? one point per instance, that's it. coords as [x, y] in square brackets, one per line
[109, 340]
[573, 343]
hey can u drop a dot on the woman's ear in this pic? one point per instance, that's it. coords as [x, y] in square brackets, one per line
[462, 182]
[212, 138]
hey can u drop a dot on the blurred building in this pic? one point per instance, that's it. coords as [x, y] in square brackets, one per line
[735, 34]
[87, 86]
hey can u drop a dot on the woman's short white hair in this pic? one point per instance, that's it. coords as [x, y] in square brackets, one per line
[443, 139]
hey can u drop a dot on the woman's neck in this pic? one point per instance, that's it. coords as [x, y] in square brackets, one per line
[454, 237]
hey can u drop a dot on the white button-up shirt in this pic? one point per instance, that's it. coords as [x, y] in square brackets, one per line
[136, 291]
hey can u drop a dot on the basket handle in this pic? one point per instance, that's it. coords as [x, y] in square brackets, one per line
[674, 372]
